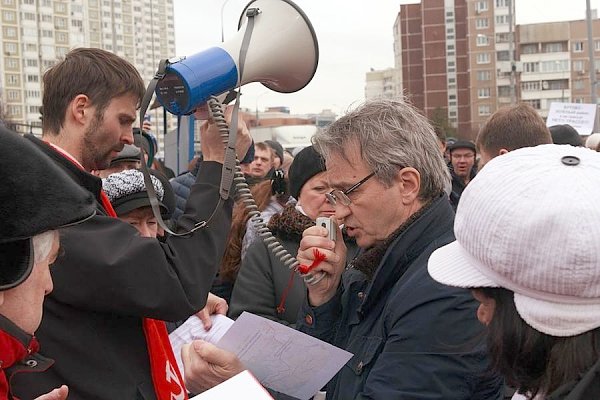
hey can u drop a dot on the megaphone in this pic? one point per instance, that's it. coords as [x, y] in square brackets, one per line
[282, 54]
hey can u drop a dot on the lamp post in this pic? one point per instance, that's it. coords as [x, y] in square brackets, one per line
[222, 31]
[256, 105]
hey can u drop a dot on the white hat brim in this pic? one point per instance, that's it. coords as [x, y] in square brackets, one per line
[452, 265]
[558, 319]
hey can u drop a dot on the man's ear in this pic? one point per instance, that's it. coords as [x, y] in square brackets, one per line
[502, 152]
[80, 109]
[409, 180]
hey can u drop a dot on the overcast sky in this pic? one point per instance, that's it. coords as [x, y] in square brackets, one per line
[353, 36]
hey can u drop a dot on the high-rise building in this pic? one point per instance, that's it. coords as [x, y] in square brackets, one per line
[467, 58]
[454, 55]
[36, 33]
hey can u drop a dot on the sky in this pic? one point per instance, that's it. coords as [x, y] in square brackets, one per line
[353, 36]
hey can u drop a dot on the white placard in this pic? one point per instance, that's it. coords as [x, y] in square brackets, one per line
[580, 116]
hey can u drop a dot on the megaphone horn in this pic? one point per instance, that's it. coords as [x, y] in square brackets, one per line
[282, 54]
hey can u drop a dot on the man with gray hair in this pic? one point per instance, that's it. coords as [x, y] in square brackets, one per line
[411, 337]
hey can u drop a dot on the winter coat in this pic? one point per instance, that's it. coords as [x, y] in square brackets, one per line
[18, 354]
[412, 338]
[109, 279]
[585, 388]
[181, 187]
[263, 278]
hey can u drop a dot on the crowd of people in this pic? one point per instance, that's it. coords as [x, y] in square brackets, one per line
[460, 270]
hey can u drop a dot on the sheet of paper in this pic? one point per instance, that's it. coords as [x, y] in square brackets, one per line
[193, 329]
[282, 358]
[242, 386]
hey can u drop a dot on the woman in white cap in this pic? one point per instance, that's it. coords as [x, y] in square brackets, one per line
[527, 242]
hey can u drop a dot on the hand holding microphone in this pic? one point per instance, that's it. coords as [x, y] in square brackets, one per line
[318, 244]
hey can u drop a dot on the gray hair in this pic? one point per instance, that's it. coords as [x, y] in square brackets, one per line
[391, 135]
[42, 244]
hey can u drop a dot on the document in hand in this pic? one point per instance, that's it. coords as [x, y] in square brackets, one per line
[282, 358]
[242, 386]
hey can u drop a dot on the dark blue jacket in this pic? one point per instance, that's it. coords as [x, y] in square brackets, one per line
[411, 337]
[181, 186]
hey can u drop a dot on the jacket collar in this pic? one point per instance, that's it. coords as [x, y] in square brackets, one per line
[436, 220]
[15, 344]
[90, 182]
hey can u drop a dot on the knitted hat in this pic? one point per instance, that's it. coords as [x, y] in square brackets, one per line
[565, 134]
[126, 191]
[277, 147]
[306, 164]
[36, 196]
[529, 222]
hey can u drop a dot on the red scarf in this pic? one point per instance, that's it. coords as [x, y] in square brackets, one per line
[166, 377]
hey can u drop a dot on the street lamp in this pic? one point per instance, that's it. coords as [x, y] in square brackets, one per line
[222, 9]
[256, 104]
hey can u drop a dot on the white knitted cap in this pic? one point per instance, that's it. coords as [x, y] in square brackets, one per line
[530, 222]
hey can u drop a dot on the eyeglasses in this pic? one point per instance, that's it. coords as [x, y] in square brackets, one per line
[342, 195]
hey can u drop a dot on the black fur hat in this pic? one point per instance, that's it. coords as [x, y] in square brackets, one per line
[36, 196]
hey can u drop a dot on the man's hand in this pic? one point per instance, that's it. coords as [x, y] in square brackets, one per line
[316, 237]
[60, 393]
[213, 148]
[214, 305]
[205, 365]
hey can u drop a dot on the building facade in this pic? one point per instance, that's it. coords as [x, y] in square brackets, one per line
[467, 58]
[36, 33]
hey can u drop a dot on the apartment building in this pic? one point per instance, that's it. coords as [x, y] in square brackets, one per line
[36, 33]
[457, 56]
[381, 84]
[468, 58]
[555, 63]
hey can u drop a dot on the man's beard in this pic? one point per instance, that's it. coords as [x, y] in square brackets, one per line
[93, 157]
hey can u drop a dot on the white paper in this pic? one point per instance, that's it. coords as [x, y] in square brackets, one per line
[193, 329]
[242, 386]
[282, 358]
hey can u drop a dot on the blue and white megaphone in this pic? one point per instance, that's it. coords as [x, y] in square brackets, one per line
[282, 54]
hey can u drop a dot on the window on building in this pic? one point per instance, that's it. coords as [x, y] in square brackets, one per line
[503, 55]
[578, 84]
[30, 62]
[530, 48]
[484, 75]
[577, 47]
[530, 86]
[481, 6]
[34, 109]
[47, 33]
[9, 32]
[10, 48]
[555, 66]
[578, 65]
[501, 3]
[33, 78]
[60, 8]
[483, 58]
[535, 103]
[61, 23]
[578, 100]
[484, 109]
[12, 80]
[504, 91]
[531, 67]
[481, 23]
[11, 64]
[502, 19]
[483, 40]
[62, 37]
[9, 16]
[13, 110]
[13, 95]
[556, 47]
[483, 93]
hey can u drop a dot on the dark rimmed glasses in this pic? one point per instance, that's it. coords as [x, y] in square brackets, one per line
[342, 195]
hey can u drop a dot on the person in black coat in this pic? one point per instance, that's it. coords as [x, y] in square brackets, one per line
[113, 287]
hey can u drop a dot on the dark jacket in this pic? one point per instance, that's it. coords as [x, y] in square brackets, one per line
[108, 279]
[263, 278]
[18, 354]
[585, 388]
[181, 186]
[411, 337]
[458, 186]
